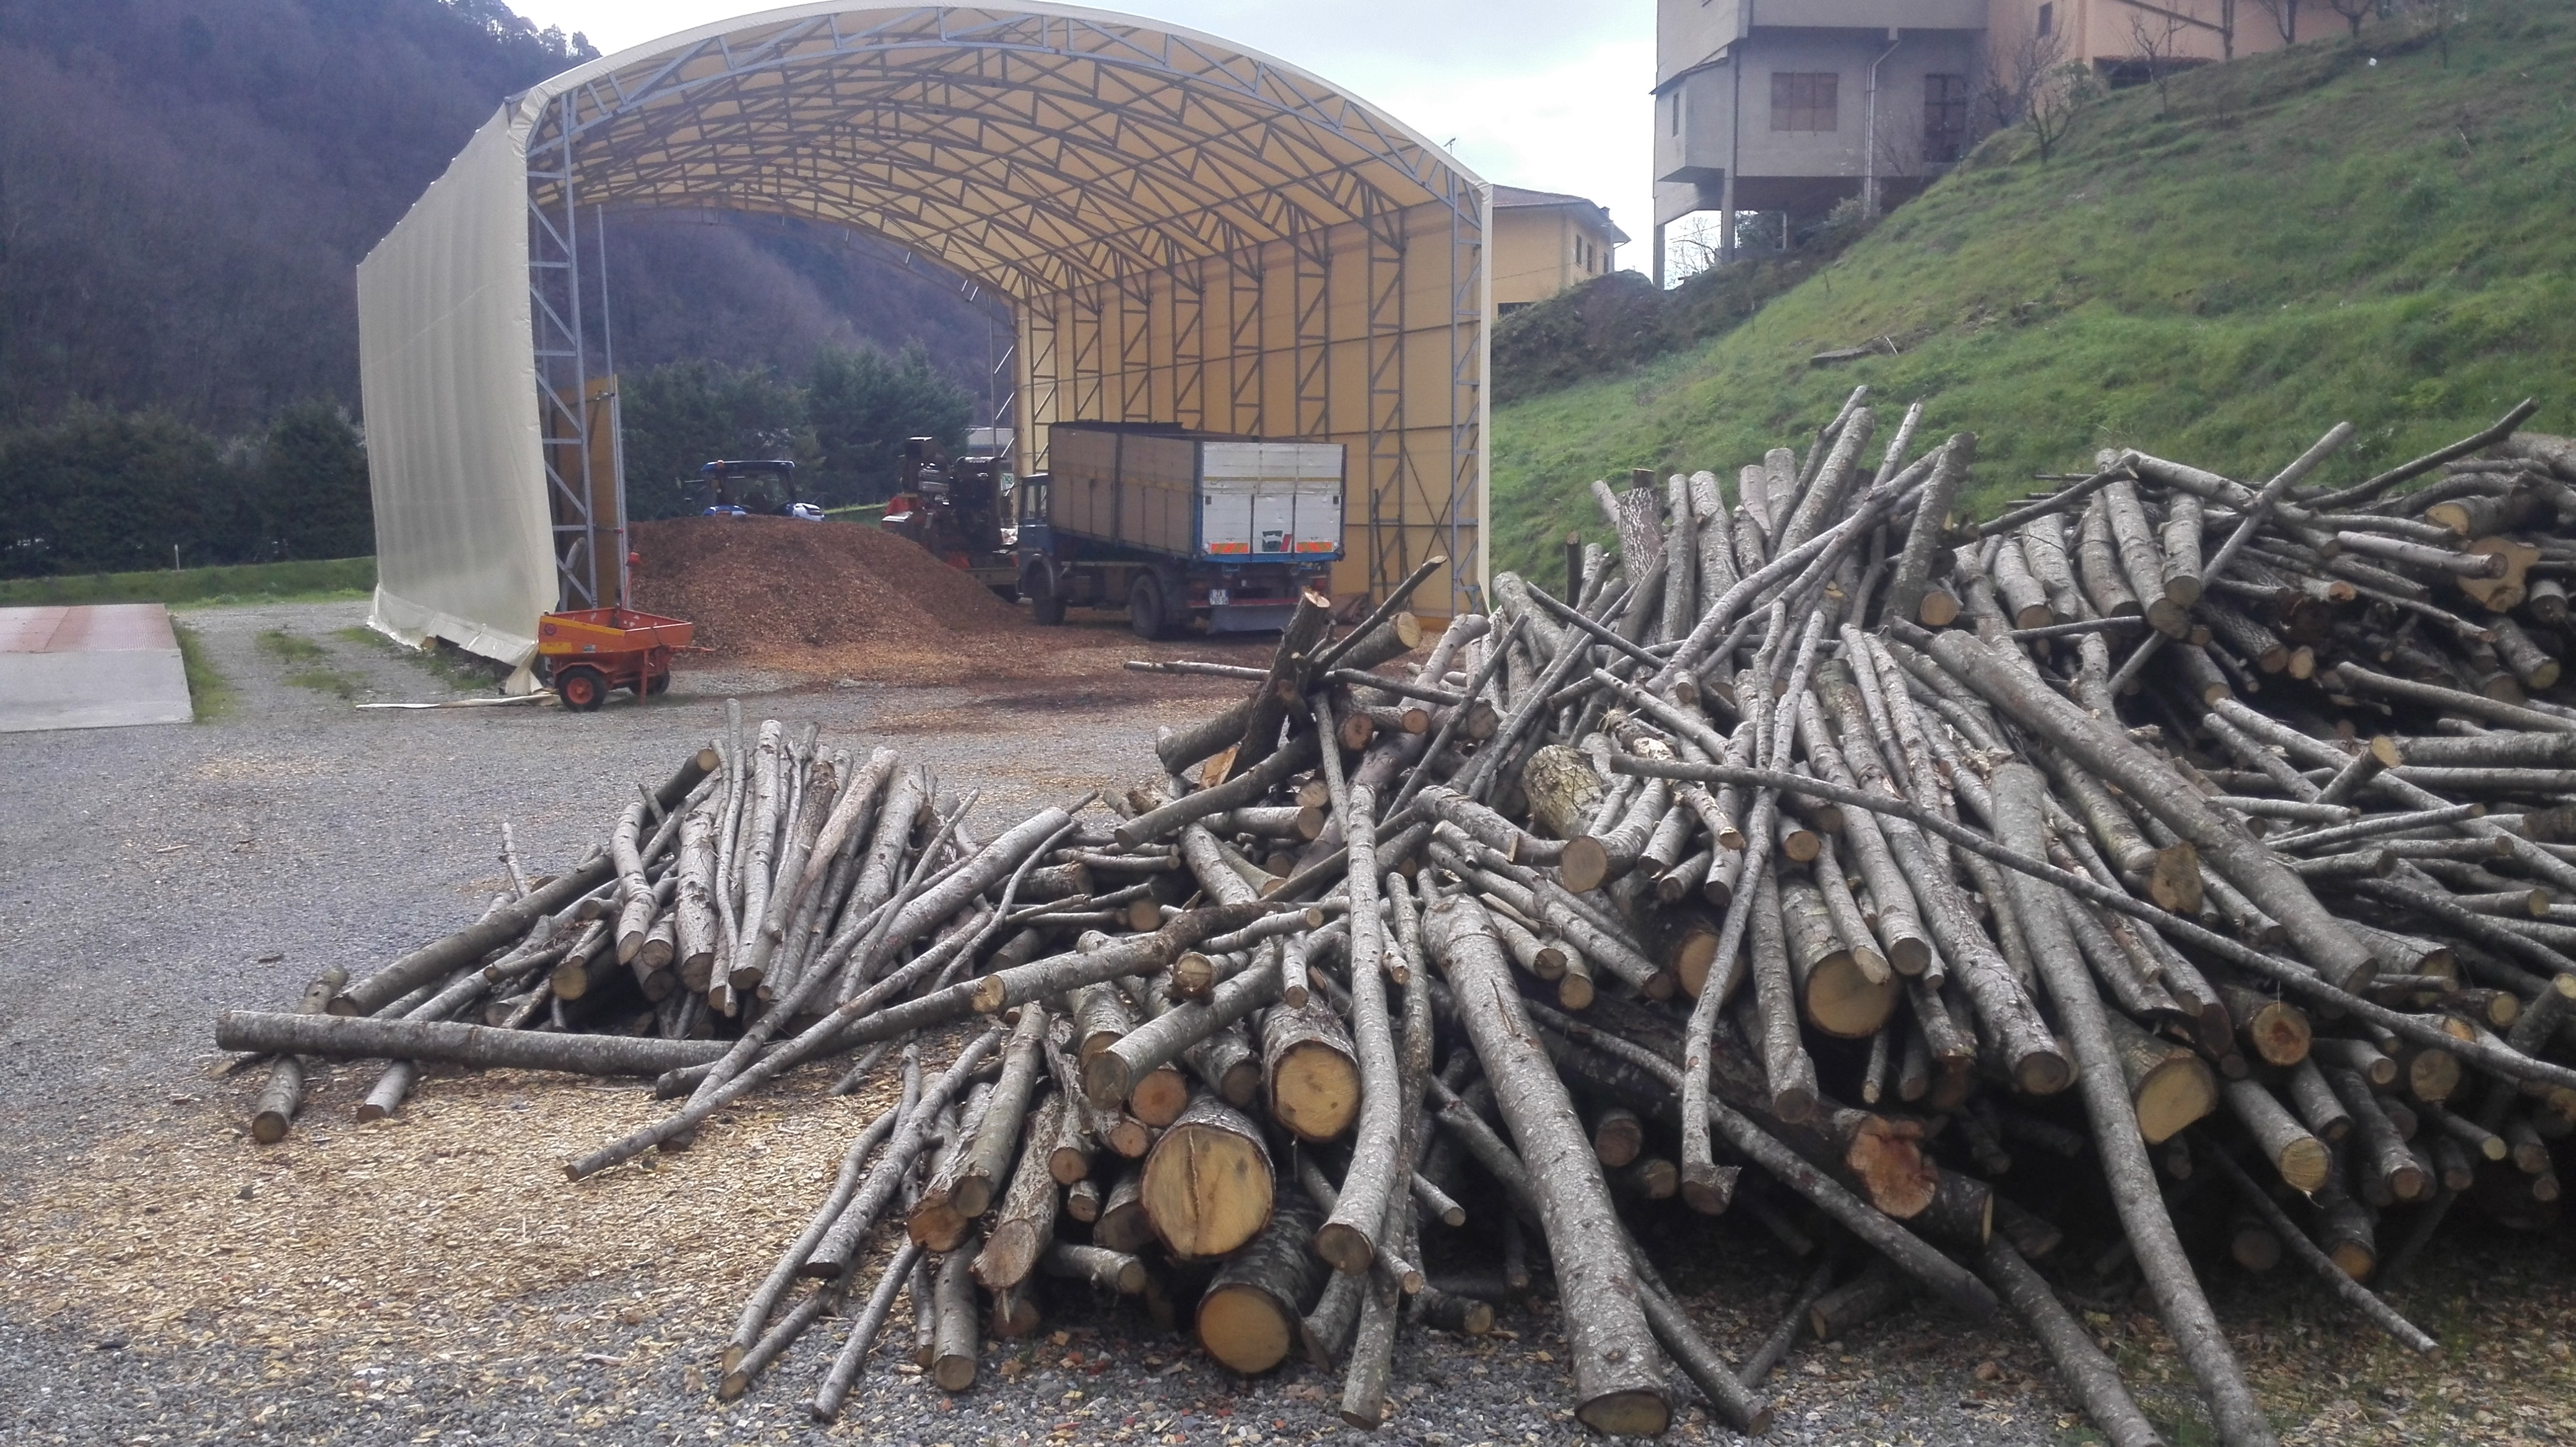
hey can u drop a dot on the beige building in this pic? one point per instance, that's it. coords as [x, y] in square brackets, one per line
[1787, 107]
[1544, 242]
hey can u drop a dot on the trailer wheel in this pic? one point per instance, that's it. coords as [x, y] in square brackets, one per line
[657, 684]
[1145, 607]
[1045, 593]
[582, 688]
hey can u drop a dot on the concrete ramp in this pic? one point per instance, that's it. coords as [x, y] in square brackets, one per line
[85, 668]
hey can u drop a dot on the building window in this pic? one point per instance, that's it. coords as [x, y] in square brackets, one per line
[1945, 117]
[1803, 101]
[2048, 19]
[1673, 112]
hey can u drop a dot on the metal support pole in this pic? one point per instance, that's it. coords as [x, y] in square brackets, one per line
[1869, 130]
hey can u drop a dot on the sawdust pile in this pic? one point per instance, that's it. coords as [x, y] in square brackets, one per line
[839, 600]
[448, 1227]
[819, 597]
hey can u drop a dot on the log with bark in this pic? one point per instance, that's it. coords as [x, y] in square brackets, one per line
[1823, 797]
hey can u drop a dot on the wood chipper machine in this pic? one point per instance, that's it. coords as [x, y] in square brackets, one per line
[956, 508]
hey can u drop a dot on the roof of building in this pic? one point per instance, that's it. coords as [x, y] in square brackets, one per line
[1515, 197]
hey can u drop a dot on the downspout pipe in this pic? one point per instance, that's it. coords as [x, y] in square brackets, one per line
[1869, 136]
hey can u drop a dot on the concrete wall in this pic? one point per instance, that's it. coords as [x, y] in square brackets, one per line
[2101, 32]
[1692, 32]
[1698, 155]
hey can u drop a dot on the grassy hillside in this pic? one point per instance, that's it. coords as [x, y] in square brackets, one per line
[2380, 230]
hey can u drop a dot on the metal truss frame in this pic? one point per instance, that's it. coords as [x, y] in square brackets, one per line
[561, 346]
[1135, 314]
[1311, 310]
[1189, 345]
[1054, 158]
[1251, 362]
[1388, 477]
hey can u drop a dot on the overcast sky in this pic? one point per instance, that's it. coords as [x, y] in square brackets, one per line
[1535, 93]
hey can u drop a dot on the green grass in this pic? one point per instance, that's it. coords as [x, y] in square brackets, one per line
[323, 581]
[2305, 238]
[325, 680]
[450, 665]
[209, 692]
[310, 662]
[287, 647]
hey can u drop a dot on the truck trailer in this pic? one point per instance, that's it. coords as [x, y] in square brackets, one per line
[1177, 525]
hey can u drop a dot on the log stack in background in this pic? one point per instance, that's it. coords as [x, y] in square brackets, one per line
[2175, 843]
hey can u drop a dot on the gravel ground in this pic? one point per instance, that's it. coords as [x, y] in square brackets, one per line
[152, 876]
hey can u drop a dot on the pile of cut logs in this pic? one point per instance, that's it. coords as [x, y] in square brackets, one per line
[2188, 845]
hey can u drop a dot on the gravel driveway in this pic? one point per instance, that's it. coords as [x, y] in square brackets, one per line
[433, 1278]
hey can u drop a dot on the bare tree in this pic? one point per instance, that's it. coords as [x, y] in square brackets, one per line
[1900, 153]
[2009, 82]
[1694, 244]
[2435, 18]
[2053, 105]
[2158, 37]
[2039, 90]
[2285, 18]
[2353, 11]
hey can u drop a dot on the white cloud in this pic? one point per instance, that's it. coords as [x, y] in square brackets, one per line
[1535, 93]
[1580, 124]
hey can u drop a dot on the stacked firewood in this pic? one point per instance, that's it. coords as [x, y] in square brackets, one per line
[1916, 886]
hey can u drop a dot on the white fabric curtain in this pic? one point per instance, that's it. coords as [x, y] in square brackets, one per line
[464, 541]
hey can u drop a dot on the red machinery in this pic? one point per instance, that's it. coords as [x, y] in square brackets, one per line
[953, 507]
[589, 651]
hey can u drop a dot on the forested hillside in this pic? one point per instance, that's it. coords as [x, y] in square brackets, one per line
[2376, 228]
[186, 188]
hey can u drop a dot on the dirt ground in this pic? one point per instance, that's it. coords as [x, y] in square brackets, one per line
[433, 1278]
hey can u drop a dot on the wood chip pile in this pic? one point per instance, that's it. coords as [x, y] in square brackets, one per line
[2183, 843]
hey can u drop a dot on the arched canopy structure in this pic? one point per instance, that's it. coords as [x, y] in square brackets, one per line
[1189, 234]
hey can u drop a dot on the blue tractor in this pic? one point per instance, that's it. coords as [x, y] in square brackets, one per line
[764, 488]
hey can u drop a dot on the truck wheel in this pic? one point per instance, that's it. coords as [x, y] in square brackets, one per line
[582, 688]
[1045, 594]
[1145, 607]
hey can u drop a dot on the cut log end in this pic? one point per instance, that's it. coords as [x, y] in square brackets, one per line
[1159, 1098]
[1315, 1091]
[1207, 1184]
[1844, 1000]
[1886, 1159]
[1585, 865]
[2305, 1164]
[2279, 1034]
[1243, 1327]
[2043, 1072]
[2172, 1094]
[1345, 1248]
[1630, 1413]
